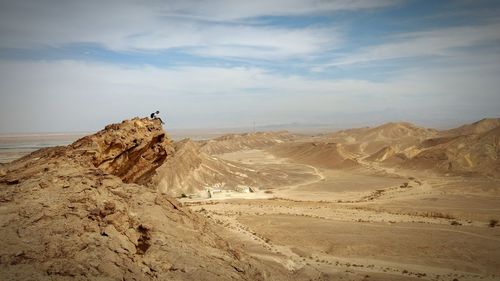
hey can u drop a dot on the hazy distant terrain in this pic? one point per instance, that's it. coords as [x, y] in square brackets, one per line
[16, 146]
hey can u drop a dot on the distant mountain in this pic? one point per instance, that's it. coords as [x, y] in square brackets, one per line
[368, 140]
[235, 142]
[471, 153]
[387, 131]
[320, 154]
[468, 149]
[481, 126]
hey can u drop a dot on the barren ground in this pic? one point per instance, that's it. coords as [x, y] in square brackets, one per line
[368, 223]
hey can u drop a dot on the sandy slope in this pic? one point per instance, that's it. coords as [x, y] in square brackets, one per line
[192, 171]
[320, 154]
[237, 142]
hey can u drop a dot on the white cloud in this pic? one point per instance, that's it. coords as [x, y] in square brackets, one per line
[75, 96]
[237, 41]
[234, 10]
[208, 28]
[442, 42]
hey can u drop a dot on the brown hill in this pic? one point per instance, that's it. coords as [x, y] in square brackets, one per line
[190, 171]
[321, 154]
[397, 131]
[236, 142]
[479, 127]
[75, 213]
[474, 153]
[370, 140]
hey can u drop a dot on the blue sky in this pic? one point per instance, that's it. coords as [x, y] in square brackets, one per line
[79, 65]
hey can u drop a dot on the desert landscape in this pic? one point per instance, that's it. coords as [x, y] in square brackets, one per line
[218, 140]
[391, 202]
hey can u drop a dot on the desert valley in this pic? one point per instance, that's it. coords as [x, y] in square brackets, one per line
[391, 202]
[284, 140]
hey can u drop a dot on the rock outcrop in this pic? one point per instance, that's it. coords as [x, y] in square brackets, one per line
[77, 213]
[131, 150]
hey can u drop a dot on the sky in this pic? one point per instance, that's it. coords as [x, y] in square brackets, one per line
[72, 66]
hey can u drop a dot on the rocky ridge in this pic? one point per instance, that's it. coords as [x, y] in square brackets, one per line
[78, 213]
[469, 154]
[471, 149]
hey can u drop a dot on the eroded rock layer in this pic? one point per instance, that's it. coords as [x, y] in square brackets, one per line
[131, 150]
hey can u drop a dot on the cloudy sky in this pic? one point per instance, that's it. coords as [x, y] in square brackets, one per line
[79, 65]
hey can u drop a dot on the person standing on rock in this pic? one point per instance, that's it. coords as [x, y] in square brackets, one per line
[154, 115]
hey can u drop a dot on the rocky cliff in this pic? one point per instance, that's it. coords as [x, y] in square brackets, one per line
[131, 150]
[78, 213]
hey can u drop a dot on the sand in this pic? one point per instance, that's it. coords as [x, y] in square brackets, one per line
[376, 221]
